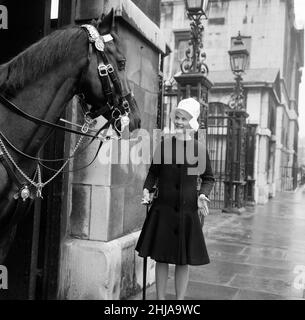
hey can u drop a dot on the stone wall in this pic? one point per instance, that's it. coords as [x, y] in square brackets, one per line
[104, 214]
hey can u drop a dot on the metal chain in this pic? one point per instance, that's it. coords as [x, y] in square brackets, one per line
[58, 172]
[38, 185]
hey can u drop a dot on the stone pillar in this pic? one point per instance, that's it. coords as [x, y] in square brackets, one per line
[279, 146]
[263, 163]
[98, 258]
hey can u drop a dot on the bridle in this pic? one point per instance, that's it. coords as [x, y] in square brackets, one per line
[119, 112]
[119, 116]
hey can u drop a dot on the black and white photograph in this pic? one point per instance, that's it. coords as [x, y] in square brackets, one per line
[152, 150]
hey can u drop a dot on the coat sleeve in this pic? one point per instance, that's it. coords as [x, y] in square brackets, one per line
[207, 178]
[152, 177]
[153, 173]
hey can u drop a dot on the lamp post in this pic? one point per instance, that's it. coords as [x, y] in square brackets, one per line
[195, 57]
[235, 180]
[193, 81]
[239, 56]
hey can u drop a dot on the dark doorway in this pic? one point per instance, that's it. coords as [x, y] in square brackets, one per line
[32, 262]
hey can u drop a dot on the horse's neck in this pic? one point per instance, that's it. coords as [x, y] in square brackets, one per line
[44, 99]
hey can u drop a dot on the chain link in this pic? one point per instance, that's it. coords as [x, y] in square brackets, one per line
[38, 185]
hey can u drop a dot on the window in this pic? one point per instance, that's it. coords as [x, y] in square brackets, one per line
[217, 21]
[54, 9]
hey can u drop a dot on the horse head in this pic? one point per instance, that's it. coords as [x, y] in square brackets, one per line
[104, 82]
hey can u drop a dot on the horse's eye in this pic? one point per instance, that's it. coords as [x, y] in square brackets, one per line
[122, 64]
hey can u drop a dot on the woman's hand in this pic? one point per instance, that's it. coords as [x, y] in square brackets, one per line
[147, 197]
[202, 202]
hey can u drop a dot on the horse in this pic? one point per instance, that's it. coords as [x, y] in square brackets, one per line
[35, 88]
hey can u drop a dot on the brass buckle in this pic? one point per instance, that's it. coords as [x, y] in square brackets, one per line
[102, 70]
[110, 68]
[113, 113]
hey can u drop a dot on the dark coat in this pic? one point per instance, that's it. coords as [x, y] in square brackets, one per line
[171, 232]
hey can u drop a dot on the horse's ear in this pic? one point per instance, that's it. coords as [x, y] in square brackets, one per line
[105, 23]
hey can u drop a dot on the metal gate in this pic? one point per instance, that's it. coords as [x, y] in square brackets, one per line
[289, 178]
[217, 139]
[217, 148]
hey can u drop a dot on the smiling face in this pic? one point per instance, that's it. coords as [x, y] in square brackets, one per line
[181, 121]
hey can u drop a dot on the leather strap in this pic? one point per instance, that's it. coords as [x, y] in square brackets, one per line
[27, 116]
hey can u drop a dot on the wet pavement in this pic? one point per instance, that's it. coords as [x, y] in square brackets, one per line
[259, 254]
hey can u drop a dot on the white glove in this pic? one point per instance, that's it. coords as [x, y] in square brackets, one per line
[147, 197]
[202, 202]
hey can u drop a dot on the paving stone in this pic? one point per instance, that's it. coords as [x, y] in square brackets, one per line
[268, 262]
[224, 256]
[265, 252]
[280, 287]
[257, 295]
[272, 273]
[217, 272]
[206, 291]
[224, 247]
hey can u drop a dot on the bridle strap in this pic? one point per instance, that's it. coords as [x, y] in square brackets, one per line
[46, 123]
[27, 156]
[106, 71]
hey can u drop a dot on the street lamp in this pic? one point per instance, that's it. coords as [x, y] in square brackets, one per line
[236, 182]
[193, 81]
[239, 56]
[195, 57]
[197, 7]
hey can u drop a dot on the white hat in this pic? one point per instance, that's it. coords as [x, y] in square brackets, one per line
[192, 107]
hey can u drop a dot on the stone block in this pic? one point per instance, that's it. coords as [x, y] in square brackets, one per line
[90, 270]
[128, 267]
[95, 270]
[133, 55]
[106, 222]
[134, 212]
[80, 212]
[97, 173]
[116, 217]
[149, 69]
[140, 98]
[100, 211]
[150, 111]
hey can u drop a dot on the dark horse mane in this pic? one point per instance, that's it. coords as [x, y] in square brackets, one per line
[37, 59]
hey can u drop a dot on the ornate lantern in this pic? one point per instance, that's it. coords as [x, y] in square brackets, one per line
[197, 7]
[238, 55]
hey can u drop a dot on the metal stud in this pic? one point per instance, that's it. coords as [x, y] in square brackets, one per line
[125, 121]
[99, 44]
[25, 193]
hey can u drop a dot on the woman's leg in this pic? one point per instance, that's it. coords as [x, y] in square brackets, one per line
[181, 280]
[161, 279]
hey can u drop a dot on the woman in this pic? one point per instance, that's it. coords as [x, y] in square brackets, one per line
[172, 233]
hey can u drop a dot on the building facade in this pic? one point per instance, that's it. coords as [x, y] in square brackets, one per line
[271, 82]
